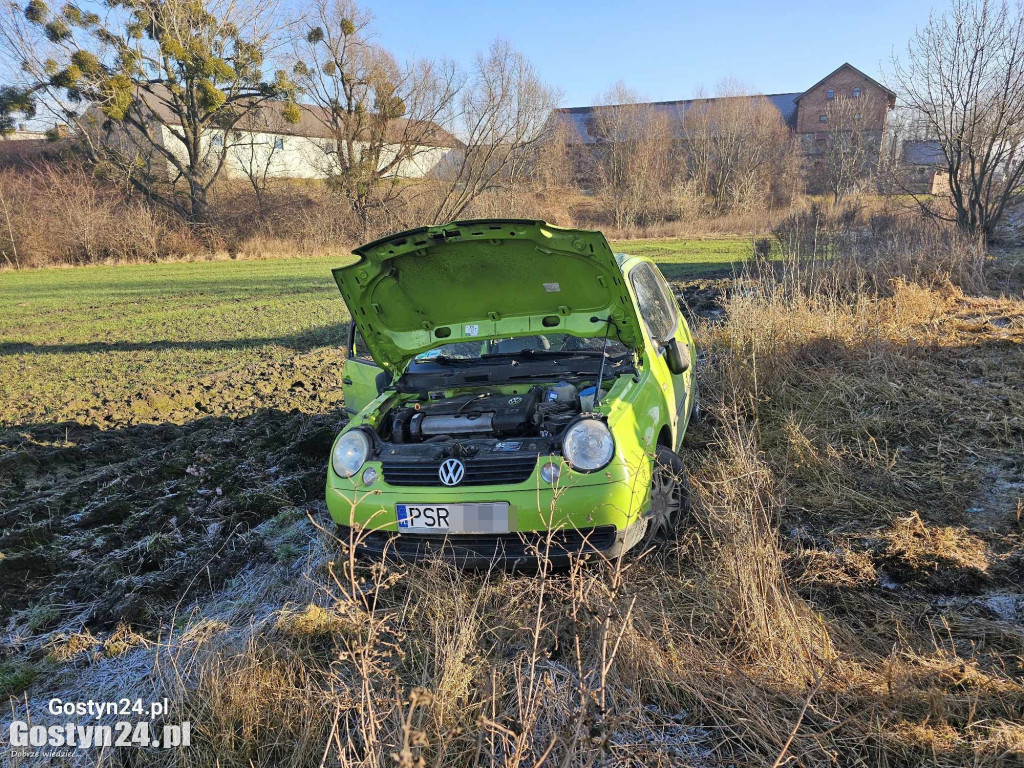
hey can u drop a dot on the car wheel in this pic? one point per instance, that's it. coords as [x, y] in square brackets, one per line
[670, 498]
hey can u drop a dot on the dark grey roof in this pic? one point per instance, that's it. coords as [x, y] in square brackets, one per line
[923, 152]
[580, 119]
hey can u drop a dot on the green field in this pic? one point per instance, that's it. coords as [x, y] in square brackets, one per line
[687, 259]
[72, 338]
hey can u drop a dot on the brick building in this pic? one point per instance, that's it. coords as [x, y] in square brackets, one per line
[809, 114]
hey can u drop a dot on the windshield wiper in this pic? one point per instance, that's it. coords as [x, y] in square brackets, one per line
[545, 353]
[446, 360]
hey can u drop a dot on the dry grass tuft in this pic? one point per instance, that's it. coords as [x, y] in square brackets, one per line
[312, 622]
[65, 647]
[942, 558]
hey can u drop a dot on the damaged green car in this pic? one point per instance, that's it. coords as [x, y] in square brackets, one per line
[516, 391]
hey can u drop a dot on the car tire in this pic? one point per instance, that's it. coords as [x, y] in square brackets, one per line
[670, 498]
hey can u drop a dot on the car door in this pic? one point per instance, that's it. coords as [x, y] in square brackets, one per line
[684, 382]
[359, 376]
[663, 322]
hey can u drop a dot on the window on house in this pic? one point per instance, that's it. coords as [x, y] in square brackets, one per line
[279, 143]
[217, 141]
[856, 93]
[822, 118]
[830, 94]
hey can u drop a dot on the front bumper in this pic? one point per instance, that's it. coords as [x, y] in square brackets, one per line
[598, 514]
[509, 551]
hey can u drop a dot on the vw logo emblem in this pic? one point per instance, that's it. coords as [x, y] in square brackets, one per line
[452, 471]
[515, 400]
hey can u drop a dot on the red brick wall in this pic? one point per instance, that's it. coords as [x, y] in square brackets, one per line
[815, 102]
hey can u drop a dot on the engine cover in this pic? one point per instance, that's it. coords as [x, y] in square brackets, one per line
[470, 415]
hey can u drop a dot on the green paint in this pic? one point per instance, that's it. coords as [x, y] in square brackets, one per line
[478, 280]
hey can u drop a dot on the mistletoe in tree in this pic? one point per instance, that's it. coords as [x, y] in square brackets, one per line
[149, 84]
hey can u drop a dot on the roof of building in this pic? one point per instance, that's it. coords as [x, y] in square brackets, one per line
[923, 152]
[849, 66]
[314, 122]
[579, 119]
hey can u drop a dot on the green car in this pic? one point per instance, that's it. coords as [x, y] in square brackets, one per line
[516, 391]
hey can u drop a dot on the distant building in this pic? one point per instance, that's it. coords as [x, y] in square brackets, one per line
[22, 133]
[266, 145]
[24, 146]
[923, 167]
[805, 112]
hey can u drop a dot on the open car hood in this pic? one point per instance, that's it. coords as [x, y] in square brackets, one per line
[486, 279]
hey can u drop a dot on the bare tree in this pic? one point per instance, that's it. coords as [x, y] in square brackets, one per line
[552, 166]
[147, 84]
[901, 125]
[503, 110]
[737, 147]
[847, 156]
[385, 117]
[253, 149]
[963, 73]
[632, 157]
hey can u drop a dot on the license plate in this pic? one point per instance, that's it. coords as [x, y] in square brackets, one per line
[454, 518]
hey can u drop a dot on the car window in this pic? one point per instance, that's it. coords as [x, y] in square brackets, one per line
[655, 301]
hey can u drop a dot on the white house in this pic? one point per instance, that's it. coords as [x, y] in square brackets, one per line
[264, 145]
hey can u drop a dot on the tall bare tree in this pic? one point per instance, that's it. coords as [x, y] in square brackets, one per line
[633, 155]
[254, 148]
[384, 117]
[847, 158]
[737, 147]
[158, 77]
[503, 108]
[963, 73]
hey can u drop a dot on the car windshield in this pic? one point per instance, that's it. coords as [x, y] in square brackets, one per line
[546, 345]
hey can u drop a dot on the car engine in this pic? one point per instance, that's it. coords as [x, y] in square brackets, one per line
[483, 414]
[538, 412]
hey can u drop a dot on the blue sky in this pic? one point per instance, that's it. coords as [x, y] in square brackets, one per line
[663, 50]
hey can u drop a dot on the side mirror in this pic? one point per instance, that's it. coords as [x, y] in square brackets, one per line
[677, 356]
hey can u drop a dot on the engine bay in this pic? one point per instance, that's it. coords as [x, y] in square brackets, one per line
[530, 419]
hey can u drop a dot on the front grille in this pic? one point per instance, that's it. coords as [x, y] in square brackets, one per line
[460, 547]
[500, 469]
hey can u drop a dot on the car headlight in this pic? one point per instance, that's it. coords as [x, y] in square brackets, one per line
[588, 445]
[350, 453]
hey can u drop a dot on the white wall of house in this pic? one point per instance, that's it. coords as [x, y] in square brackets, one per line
[291, 157]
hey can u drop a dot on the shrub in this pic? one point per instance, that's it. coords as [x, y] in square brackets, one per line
[842, 250]
[63, 215]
